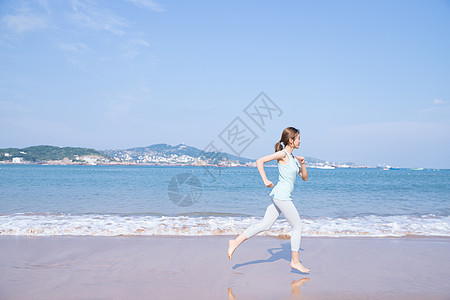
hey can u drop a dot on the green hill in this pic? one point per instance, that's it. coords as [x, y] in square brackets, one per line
[45, 153]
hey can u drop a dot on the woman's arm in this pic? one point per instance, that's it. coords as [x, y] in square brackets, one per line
[260, 165]
[303, 172]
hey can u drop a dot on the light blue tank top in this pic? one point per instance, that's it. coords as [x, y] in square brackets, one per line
[288, 174]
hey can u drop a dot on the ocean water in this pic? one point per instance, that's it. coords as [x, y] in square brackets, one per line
[155, 200]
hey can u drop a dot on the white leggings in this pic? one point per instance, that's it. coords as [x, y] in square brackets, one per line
[272, 213]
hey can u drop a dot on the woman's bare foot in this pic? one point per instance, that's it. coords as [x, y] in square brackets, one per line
[231, 248]
[300, 267]
[233, 244]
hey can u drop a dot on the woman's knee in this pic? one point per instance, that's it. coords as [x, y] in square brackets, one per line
[266, 226]
[297, 227]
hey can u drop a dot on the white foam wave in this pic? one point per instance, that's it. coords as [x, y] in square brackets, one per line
[116, 225]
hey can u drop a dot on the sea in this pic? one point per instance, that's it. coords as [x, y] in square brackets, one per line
[111, 200]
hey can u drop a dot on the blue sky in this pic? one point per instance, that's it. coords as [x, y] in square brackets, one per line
[364, 81]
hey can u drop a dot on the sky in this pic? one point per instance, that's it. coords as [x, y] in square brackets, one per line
[363, 81]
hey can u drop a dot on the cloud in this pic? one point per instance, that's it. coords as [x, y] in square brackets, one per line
[122, 107]
[440, 108]
[74, 47]
[148, 4]
[24, 22]
[120, 113]
[140, 42]
[439, 101]
[88, 14]
[129, 106]
[44, 5]
[117, 110]
[74, 53]
[135, 47]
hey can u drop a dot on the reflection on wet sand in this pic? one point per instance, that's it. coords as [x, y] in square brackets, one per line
[295, 289]
[231, 296]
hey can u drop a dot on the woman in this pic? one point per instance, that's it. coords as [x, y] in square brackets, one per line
[280, 195]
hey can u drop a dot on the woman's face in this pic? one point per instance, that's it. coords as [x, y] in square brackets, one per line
[296, 141]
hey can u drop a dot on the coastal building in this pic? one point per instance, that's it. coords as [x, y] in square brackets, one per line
[17, 160]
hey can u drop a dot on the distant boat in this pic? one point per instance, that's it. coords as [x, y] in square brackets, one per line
[387, 168]
[417, 169]
[343, 166]
[326, 167]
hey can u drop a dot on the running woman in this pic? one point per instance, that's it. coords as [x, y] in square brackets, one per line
[280, 195]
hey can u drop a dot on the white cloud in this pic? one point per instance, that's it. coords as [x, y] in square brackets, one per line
[119, 110]
[440, 108]
[125, 107]
[21, 23]
[44, 5]
[74, 47]
[135, 47]
[89, 15]
[140, 42]
[74, 53]
[439, 101]
[148, 4]
[120, 113]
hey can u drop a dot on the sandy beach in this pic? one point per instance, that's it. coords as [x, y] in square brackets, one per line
[70, 267]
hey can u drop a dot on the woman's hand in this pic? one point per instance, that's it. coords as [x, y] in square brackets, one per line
[302, 172]
[301, 159]
[268, 183]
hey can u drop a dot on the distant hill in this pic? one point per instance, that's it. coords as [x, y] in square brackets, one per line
[46, 153]
[157, 154]
[167, 151]
[153, 152]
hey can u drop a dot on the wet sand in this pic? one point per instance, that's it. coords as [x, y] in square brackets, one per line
[65, 267]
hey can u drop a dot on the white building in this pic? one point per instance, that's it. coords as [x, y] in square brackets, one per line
[17, 160]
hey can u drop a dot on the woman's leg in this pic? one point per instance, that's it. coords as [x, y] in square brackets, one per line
[271, 215]
[291, 214]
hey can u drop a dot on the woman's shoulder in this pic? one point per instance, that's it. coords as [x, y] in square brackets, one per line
[282, 151]
[277, 155]
[281, 155]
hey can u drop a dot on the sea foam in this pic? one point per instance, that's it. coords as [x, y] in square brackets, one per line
[42, 224]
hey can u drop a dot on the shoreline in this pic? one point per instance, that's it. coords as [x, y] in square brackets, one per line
[190, 267]
[225, 236]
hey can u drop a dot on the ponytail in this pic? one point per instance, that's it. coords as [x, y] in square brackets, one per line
[278, 146]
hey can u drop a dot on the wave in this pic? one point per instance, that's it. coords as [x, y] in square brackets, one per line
[46, 224]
